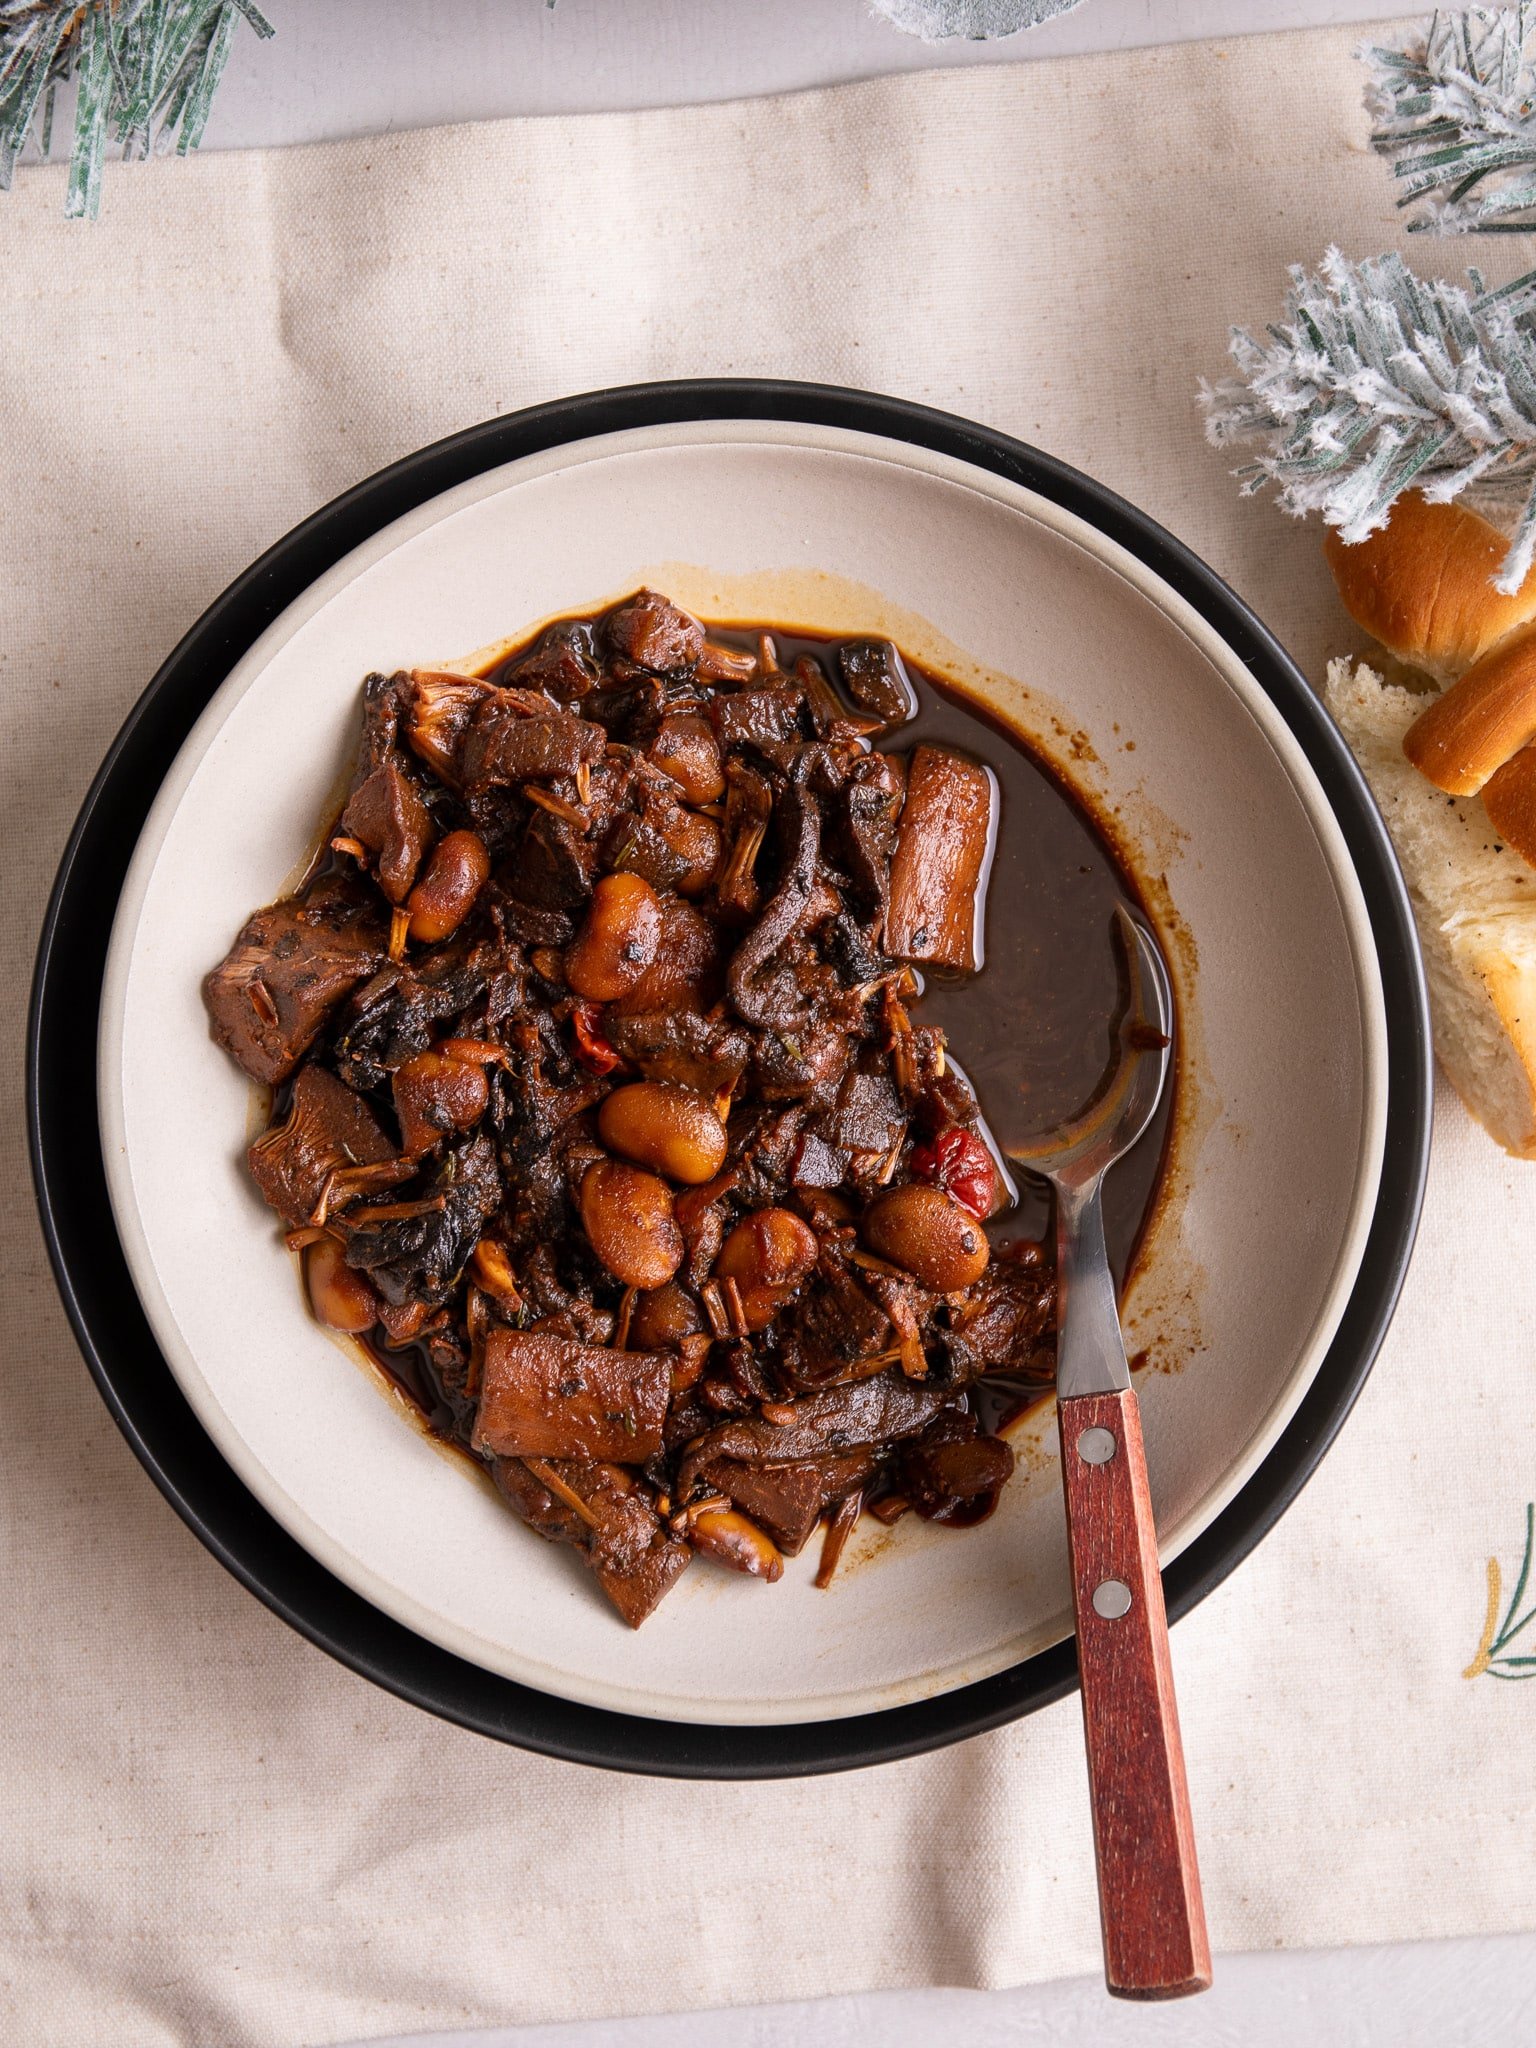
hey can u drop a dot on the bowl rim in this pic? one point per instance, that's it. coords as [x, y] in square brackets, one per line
[91, 1271]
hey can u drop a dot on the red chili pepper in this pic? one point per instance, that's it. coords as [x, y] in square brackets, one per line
[592, 1048]
[958, 1162]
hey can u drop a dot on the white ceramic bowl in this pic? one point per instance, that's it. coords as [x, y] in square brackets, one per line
[1146, 708]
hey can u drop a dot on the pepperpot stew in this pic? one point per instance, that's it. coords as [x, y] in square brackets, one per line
[644, 1051]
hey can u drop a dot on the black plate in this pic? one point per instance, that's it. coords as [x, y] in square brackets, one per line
[93, 1277]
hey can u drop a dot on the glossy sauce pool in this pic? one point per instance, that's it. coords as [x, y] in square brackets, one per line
[1031, 1030]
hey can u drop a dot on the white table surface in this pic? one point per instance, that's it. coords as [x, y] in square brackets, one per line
[353, 67]
[1428, 1994]
[362, 67]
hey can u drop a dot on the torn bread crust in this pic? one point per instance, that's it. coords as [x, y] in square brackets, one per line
[1474, 902]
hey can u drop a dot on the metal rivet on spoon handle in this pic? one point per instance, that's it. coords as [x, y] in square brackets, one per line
[1153, 1917]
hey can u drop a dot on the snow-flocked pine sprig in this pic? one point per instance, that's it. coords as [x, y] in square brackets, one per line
[1377, 381]
[937, 21]
[1455, 110]
[143, 69]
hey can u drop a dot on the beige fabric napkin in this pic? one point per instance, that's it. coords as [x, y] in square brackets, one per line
[212, 1833]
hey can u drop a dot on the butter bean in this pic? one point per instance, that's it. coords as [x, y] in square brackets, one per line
[618, 940]
[933, 1238]
[628, 1218]
[768, 1254]
[444, 896]
[436, 1094]
[730, 1539]
[769, 1248]
[341, 1297]
[664, 1317]
[696, 843]
[685, 748]
[665, 1126]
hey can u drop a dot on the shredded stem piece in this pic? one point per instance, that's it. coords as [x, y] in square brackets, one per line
[714, 1308]
[840, 1525]
[493, 1272]
[261, 1000]
[398, 1212]
[898, 1027]
[557, 1486]
[891, 1161]
[345, 1183]
[734, 1307]
[707, 1504]
[307, 1234]
[625, 1315]
[555, 805]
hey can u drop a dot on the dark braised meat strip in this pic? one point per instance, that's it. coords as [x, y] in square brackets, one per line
[327, 1130]
[598, 1511]
[877, 1411]
[709, 1054]
[269, 998]
[551, 1397]
[603, 1115]
[941, 846]
[562, 665]
[651, 632]
[1006, 1323]
[415, 1250]
[387, 813]
[875, 679]
[789, 1500]
[508, 741]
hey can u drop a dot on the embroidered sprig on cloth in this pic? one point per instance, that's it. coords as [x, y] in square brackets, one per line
[1494, 1655]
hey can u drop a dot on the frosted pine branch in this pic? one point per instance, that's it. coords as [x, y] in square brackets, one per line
[1455, 110]
[979, 20]
[143, 69]
[1377, 381]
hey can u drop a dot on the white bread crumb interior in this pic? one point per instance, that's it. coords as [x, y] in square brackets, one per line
[1475, 905]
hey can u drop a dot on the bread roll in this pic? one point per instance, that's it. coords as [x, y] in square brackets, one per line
[1474, 901]
[1461, 738]
[1509, 798]
[1423, 585]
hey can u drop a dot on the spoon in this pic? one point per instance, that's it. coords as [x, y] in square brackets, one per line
[1150, 1907]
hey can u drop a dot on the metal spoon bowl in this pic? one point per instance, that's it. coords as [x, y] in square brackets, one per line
[1075, 1157]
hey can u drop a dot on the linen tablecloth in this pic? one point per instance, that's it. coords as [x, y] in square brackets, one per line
[212, 1833]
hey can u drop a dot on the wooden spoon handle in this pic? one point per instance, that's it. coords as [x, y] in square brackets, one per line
[1149, 1886]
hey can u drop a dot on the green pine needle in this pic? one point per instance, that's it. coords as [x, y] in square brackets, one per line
[143, 70]
[1455, 111]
